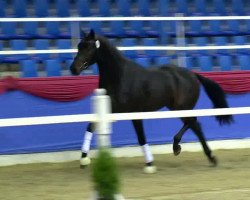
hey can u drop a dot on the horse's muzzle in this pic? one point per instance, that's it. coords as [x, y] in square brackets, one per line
[73, 70]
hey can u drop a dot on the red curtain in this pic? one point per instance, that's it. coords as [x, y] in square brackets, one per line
[74, 88]
[233, 82]
[53, 88]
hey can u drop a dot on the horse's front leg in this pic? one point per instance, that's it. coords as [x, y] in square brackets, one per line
[149, 168]
[85, 160]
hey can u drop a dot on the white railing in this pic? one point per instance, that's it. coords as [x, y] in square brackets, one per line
[112, 117]
[136, 48]
[134, 18]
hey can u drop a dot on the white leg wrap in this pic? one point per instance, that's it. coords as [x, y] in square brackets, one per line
[148, 158]
[147, 153]
[87, 141]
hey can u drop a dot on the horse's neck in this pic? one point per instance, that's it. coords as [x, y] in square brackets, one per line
[110, 63]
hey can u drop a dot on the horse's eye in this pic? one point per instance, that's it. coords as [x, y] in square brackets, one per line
[82, 46]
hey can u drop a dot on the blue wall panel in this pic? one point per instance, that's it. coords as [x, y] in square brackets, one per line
[58, 137]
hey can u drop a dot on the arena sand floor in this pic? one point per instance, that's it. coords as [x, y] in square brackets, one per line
[185, 177]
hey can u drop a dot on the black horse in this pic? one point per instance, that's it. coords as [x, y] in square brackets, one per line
[133, 88]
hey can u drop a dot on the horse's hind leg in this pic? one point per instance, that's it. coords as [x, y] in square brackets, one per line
[85, 160]
[196, 128]
[178, 137]
[150, 168]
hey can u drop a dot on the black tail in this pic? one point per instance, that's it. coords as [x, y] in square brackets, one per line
[217, 96]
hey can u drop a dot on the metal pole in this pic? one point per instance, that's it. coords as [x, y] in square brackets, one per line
[75, 33]
[180, 37]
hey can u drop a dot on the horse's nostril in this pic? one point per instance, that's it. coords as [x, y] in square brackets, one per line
[84, 66]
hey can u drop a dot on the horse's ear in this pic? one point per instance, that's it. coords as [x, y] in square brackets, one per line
[91, 34]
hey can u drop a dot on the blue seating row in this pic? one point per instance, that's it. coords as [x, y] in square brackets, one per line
[39, 44]
[168, 28]
[205, 62]
[53, 67]
[220, 41]
[65, 8]
[217, 27]
[29, 68]
[43, 44]
[50, 30]
[123, 29]
[225, 62]
[34, 30]
[194, 41]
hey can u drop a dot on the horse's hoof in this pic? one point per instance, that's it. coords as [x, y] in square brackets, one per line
[214, 162]
[177, 150]
[84, 162]
[150, 169]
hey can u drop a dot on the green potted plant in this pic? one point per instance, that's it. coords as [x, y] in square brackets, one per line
[106, 176]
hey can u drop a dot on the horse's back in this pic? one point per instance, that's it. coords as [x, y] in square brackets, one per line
[187, 87]
[153, 88]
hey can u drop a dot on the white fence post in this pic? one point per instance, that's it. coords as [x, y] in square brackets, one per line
[102, 107]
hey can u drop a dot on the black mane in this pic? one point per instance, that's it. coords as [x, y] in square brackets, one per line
[113, 65]
[109, 47]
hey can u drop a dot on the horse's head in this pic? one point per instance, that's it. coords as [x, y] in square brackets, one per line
[86, 54]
